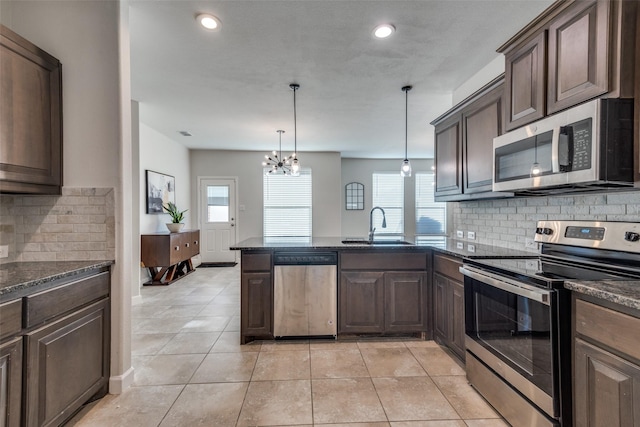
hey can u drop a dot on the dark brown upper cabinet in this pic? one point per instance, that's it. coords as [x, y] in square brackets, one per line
[525, 77]
[481, 122]
[578, 45]
[576, 50]
[30, 117]
[464, 145]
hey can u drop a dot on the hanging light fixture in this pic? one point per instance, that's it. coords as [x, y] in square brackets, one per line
[278, 163]
[295, 163]
[535, 167]
[405, 169]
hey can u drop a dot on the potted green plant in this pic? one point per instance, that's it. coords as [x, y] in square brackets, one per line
[176, 217]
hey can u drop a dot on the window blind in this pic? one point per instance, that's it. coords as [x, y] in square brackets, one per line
[431, 217]
[287, 205]
[388, 193]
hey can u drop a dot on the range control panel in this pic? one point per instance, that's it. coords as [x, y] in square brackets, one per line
[616, 236]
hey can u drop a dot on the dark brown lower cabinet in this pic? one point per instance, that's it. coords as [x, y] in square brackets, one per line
[11, 382]
[606, 377]
[448, 304]
[383, 302]
[67, 364]
[607, 388]
[405, 301]
[361, 302]
[256, 297]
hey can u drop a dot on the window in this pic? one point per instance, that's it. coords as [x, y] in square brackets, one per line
[287, 205]
[388, 193]
[431, 217]
[217, 203]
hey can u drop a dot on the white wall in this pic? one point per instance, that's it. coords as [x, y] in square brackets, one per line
[355, 223]
[489, 72]
[161, 154]
[247, 167]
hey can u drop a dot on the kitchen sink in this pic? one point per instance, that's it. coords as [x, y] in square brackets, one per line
[356, 241]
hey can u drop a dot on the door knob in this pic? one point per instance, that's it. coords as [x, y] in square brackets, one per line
[232, 225]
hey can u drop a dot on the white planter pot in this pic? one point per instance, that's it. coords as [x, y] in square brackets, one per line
[175, 227]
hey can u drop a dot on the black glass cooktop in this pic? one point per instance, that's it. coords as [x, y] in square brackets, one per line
[550, 272]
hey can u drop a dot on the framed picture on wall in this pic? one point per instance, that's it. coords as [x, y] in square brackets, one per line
[161, 189]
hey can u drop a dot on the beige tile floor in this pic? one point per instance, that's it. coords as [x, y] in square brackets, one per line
[190, 370]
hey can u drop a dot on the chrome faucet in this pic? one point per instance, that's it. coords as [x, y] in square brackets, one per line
[372, 229]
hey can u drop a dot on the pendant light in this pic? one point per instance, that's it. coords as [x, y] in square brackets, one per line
[278, 163]
[295, 163]
[405, 169]
[535, 167]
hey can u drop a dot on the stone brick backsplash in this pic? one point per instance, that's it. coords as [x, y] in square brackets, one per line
[78, 225]
[508, 222]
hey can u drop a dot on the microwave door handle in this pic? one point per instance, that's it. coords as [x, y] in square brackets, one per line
[555, 162]
[540, 295]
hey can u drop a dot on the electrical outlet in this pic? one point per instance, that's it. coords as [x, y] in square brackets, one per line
[531, 264]
[459, 245]
[4, 251]
[530, 243]
[471, 248]
[471, 235]
[460, 234]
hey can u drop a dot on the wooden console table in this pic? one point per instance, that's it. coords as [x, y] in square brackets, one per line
[168, 255]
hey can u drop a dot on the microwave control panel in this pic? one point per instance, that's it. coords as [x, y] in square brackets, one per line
[578, 139]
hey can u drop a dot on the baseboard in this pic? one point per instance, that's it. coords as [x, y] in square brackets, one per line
[136, 300]
[119, 383]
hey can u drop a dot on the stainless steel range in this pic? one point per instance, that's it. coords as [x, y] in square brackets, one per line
[518, 316]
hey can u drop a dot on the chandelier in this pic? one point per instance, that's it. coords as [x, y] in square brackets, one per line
[276, 161]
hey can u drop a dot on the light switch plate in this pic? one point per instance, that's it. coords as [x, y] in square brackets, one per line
[4, 251]
[460, 234]
[471, 235]
[530, 243]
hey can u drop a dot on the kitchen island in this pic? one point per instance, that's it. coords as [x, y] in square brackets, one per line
[384, 287]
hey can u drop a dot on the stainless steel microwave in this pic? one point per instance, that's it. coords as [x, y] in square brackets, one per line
[587, 147]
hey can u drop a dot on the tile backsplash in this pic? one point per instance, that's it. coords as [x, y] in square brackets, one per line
[78, 225]
[508, 222]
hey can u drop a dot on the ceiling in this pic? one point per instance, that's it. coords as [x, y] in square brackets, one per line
[230, 88]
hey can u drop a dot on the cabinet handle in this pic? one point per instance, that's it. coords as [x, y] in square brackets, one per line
[195, 243]
[186, 245]
[177, 248]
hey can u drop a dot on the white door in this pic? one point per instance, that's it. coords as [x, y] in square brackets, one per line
[217, 219]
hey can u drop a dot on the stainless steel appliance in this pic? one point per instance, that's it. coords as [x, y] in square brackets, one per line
[590, 146]
[305, 294]
[518, 316]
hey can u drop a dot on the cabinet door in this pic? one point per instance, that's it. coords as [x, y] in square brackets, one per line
[30, 117]
[11, 382]
[456, 318]
[578, 61]
[606, 388]
[525, 83]
[481, 122]
[440, 307]
[67, 364]
[405, 302]
[448, 158]
[361, 302]
[256, 300]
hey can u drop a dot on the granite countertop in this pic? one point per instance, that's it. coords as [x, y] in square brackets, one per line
[18, 279]
[623, 292]
[443, 244]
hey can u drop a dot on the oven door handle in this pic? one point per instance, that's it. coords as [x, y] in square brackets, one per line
[540, 295]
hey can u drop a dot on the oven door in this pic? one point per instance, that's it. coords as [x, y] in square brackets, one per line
[510, 326]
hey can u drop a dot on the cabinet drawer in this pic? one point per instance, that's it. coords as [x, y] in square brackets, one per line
[448, 266]
[53, 302]
[383, 260]
[256, 262]
[617, 330]
[11, 318]
[194, 243]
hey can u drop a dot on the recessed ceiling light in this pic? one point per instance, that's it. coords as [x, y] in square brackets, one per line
[383, 31]
[208, 21]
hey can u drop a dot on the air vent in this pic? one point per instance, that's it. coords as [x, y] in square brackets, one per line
[184, 133]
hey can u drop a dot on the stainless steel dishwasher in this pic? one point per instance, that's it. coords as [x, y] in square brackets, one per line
[305, 294]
